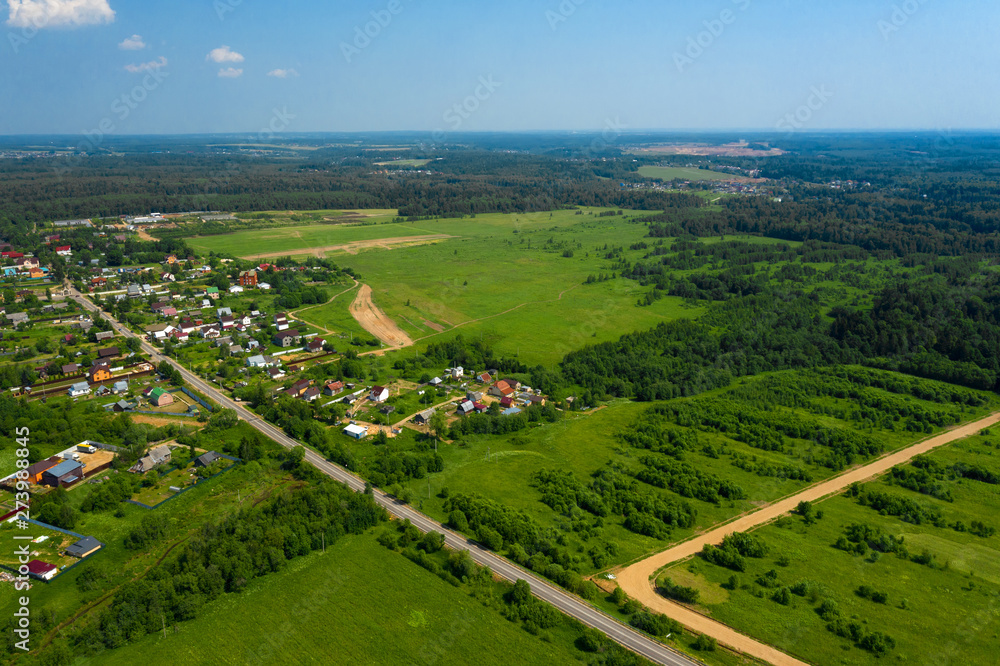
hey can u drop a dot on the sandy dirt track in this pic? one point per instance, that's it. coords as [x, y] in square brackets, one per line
[635, 579]
[375, 321]
[355, 247]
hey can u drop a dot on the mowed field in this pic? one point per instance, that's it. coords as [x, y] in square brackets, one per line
[945, 613]
[685, 173]
[358, 603]
[298, 240]
[505, 278]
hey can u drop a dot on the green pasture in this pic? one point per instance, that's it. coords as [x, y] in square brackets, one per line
[685, 173]
[357, 603]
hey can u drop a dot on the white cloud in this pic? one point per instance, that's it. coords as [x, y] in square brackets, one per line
[133, 43]
[55, 13]
[224, 54]
[282, 73]
[146, 66]
[230, 73]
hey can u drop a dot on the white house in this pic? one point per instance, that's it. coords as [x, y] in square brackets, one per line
[379, 394]
[437, 381]
[81, 388]
[356, 431]
[258, 362]
[456, 373]
[263, 285]
[236, 289]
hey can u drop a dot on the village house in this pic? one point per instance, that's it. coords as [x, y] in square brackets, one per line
[99, 372]
[248, 279]
[286, 338]
[156, 457]
[206, 459]
[378, 394]
[160, 398]
[423, 418]
[84, 547]
[333, 388]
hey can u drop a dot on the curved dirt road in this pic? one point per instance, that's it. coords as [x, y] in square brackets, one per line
[635, 579]
[376, 322]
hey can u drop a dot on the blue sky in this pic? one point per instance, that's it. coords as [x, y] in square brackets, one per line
[513, 65]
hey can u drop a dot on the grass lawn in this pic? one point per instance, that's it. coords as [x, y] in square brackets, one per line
[47, 545]
[948, 613]
[153, 495]
[685, 173]
[358, 603]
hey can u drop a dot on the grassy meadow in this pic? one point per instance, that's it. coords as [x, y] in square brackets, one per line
[502, 467]
[357, 603]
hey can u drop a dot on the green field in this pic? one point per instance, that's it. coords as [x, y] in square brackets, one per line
[502, 468]
[684, 173]
[358, 603]
[505, 278]
[944, 613]
[299, 239]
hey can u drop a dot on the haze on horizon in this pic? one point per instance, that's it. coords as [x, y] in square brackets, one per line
[227, 66]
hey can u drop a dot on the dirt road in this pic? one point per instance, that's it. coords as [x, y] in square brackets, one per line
[376, 322]
[636, 581]
[355, 247]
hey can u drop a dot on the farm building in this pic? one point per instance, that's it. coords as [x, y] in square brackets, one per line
[42, 570]
[65, 473]
[387, 409]
[84, 547]
[467, 407]
[70, 369]
[108, 352]
[206, 459]
[160, 397]
[356, 431]
[35, 471]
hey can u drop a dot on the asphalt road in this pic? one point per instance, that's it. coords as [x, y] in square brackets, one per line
[569, 604]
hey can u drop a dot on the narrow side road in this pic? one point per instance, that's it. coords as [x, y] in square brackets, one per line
[636, 580]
